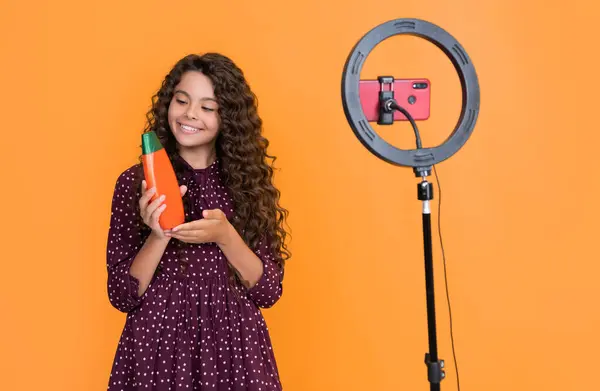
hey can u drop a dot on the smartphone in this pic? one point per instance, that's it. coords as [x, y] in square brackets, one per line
[412, 94]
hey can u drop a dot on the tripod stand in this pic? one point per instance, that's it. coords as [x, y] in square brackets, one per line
[387, 106]
[435, 372]
[422, 160]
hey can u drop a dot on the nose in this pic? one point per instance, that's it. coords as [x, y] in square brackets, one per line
[190, 113]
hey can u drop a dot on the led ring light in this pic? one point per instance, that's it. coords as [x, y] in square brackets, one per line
[421, 159]
[425, 157]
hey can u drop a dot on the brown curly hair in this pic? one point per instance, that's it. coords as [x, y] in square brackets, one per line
[240, 147]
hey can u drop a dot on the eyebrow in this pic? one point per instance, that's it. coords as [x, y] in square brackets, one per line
[190, 98]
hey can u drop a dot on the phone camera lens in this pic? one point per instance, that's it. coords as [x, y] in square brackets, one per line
[419, 86]
[412, 99]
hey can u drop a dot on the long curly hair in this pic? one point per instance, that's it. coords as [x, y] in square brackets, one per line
[240, 147]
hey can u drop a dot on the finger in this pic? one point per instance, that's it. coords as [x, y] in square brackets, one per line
[193, 236]
[143, 201]
[189, 226]
[186, 234]
[183, 227]
[155, 204]
[156, 214]
[212, 213]
[146, 196]
[144, 187]
[183, 189]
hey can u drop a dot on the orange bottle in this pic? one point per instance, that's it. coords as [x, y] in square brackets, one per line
[159, 173]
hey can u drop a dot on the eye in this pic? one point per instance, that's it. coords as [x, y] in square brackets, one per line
[181, 102]
[208, 109]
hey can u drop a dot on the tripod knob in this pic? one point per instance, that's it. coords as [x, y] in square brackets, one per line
[435, 373]
[425, 191]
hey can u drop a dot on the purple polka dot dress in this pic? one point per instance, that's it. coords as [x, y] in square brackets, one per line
[188, 331]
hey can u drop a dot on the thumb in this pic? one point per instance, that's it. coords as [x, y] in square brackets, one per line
[211, 213]
[183, 189]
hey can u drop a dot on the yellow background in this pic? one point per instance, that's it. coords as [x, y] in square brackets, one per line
[519, 210]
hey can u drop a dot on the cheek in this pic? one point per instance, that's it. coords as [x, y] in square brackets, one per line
[215, 122]
[174, 112]
[170, 113]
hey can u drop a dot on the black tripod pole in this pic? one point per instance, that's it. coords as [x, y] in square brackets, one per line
[435, 372]
[387, 106]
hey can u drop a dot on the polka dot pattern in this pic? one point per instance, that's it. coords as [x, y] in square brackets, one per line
[188, 331]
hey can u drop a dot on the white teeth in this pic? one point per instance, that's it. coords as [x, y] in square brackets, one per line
[189, 128]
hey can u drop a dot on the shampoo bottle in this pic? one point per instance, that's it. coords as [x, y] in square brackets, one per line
[159, 173]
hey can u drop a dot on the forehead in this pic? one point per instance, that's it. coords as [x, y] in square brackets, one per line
[196, 85]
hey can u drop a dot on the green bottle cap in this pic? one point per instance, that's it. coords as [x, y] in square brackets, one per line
[150, 143]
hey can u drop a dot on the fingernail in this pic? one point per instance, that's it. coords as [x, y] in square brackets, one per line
[162, 197]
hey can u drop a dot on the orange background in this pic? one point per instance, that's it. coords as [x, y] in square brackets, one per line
[520, 201]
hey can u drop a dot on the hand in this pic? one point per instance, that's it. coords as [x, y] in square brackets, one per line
[214, 227]
[151, 211]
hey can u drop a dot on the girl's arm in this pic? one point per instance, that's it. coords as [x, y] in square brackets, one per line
[261, 275]
[145, 262]
[126, 245]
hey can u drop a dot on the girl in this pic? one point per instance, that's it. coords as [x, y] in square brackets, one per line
[193, 294]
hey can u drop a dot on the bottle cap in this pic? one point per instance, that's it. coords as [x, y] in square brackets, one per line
[150, 143]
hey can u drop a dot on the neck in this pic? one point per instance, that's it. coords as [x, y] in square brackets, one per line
[200, 157]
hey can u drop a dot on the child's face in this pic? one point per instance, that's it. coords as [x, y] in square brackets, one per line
[193, 116]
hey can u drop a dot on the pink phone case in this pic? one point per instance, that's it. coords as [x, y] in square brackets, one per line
[403, 90]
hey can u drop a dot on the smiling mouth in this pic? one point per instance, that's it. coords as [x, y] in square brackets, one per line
[188, 129]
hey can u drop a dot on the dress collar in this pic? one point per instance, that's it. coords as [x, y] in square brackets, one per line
[187, 167]
[197, 173]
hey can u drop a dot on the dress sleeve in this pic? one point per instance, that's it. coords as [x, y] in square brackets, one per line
[269, 288]
[124, 241]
